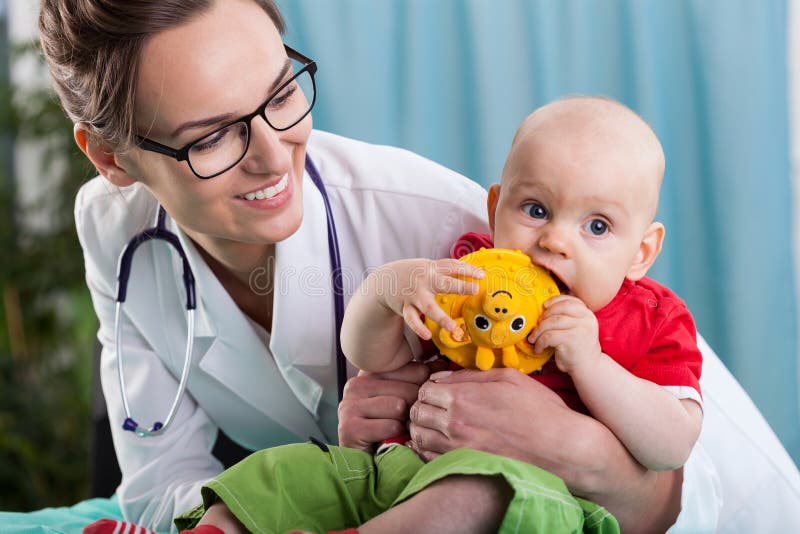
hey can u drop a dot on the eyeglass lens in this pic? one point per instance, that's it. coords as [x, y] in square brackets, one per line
[222, 149]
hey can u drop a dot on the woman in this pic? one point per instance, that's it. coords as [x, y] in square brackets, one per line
[163, 95]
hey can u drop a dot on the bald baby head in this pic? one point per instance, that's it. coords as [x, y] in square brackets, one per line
[579, 193]
[598, 134]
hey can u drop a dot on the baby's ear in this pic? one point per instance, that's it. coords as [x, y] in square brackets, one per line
[491, 205]
[648, 251]
[102, 156]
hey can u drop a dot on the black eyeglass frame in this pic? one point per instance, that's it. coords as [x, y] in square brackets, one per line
[182, 154]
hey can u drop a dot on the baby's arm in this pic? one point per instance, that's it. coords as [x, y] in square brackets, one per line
[397, 294]
[657, 428]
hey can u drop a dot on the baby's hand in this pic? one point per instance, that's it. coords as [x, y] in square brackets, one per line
[409, 288]
[570, 328]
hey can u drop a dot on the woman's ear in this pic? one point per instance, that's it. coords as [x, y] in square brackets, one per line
[491, 205]
[101, 155]
[648, 251]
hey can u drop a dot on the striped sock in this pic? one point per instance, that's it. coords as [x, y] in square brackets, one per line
[113, 526]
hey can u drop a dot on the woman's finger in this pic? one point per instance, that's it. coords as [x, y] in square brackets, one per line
[368, 386]
[427, 439]
[383, 407]
[429, 416]
[500, 374]
[435, 394]
[427, 456]
[362, 433]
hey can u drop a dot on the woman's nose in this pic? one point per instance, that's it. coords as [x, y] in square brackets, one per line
[267, 154]
[555, 240]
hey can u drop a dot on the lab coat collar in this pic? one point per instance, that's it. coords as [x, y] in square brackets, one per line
[254, 376]
[205, 283]
[303, 329]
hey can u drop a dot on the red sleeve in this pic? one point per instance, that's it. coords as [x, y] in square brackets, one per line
[470, 242]
[673, 358]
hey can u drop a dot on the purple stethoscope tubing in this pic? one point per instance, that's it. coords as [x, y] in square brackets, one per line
[159, 232]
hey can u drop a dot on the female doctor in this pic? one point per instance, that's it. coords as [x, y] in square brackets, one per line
[198, 107]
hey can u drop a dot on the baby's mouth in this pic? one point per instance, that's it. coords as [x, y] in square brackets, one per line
[562, 287]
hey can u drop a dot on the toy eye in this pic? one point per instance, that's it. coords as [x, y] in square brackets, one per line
[482, 322]
[518, 324]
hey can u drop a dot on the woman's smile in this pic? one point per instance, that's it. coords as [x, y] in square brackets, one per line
[271, 196]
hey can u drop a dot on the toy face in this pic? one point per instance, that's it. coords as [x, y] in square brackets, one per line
[499, 317]
[500, 314]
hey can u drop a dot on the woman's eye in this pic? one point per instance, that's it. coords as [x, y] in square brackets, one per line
[535, 210]
[284, 96]
[210, 142]
[596, 227]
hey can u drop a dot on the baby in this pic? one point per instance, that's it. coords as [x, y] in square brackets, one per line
[578, 194]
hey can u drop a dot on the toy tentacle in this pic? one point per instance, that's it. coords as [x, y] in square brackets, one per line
[484, 358]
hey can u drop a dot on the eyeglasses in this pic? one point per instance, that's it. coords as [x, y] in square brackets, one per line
[222, 149]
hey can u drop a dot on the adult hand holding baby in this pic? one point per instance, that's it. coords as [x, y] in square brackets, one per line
[477, 409]
[374, 406]
[484, 410]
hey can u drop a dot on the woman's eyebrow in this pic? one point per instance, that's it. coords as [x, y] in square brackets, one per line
[201, 123]
[217, 119]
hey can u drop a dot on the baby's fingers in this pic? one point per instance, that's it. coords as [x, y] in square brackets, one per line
[413, 319]
[552, 319]
[448, 284]
[460, 268]
[433, 312]
[565, 304]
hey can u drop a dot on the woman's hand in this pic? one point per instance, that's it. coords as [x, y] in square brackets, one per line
[375, 406]
[504, 412]
[482, 410]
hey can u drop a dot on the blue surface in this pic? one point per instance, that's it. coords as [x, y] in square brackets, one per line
[66, 520]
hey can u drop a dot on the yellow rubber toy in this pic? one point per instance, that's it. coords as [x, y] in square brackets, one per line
[495, 322]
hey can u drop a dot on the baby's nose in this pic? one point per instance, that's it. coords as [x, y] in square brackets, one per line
[555, 241]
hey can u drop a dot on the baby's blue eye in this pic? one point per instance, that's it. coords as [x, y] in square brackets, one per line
[535, 210]
[597, 227]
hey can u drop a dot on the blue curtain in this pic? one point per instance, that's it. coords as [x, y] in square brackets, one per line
[452, 79]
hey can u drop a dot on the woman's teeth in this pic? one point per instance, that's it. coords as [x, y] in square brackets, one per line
[268, 192]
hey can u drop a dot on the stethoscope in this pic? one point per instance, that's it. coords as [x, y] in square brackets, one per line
[159, 232]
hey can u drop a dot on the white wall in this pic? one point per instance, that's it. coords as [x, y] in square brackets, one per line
[33, 183]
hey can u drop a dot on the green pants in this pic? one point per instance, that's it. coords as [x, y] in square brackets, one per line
[303, 487]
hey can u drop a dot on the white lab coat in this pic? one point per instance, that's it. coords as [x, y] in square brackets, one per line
[388, 204]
